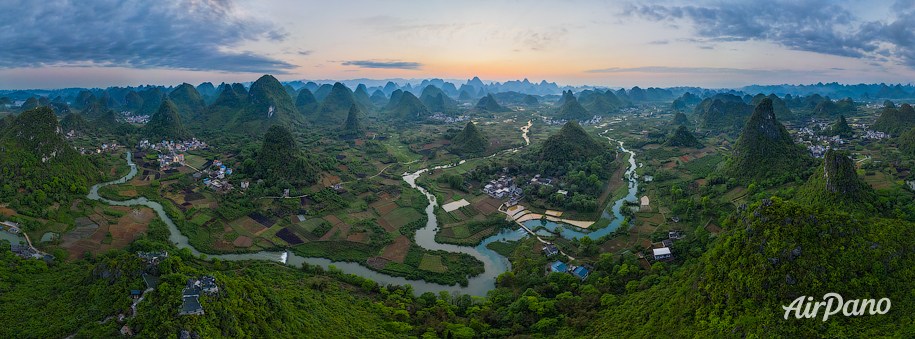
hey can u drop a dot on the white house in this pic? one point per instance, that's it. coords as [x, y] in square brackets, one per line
[661, 253]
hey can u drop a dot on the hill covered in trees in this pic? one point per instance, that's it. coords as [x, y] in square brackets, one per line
[489, 104]
[74, 122]
[165, 124]
[601, 103]
[895, 120]
[336, 105]
[836, 184]
[469, 141]
[352, 127]
[280, 163]
[723, 113]
[773, 252]
[680, 119]
[840, 128]
[570, 109]
[187, 101]
[38, 166]
[765, 150]
[571, 143]
[682, 137]
[407, 108]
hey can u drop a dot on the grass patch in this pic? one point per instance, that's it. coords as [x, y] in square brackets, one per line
[460, 231]
[402, 216]
[432, 263]
[504, 248]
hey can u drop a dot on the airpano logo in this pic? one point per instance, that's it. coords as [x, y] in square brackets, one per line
[833, 304]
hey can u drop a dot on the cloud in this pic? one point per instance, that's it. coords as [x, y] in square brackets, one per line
[541, 39]
[203, 35]
[388, 64]
[305, 52]
[818, 26]
[702, 70]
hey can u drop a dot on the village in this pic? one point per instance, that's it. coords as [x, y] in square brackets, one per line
[172, 155]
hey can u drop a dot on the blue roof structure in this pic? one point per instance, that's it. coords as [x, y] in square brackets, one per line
[559, 266]
[580, 272]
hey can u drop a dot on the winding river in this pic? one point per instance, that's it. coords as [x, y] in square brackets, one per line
[493, 263]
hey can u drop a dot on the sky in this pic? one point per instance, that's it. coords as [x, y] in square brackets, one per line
[101, 43]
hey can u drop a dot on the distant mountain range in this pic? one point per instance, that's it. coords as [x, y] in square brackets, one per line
[472, 89]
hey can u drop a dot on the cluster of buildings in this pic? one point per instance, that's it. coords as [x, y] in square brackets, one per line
[447, 119]
[129, 117]
[580, 272]
[816, 143]
[152, 258]
[875, 135]
[167, 145]
[663, 253]
[503, 187]
[170, 152]
[191, 295]
[595, 120]
[216, 178]
[104, 148]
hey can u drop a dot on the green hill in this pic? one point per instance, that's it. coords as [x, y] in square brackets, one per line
[336, 105]
[227, 106]
[765, 150]
[408, 108]
[489, 104]
[829, 108]
[323, 91]
[895, 120]
[280, 162]
[396, 95]
[601, 103]
[436, 100]
[110, 122]
[188, 101]
[76, 123]
[680, 119]
[836, 184]
[378, 98]
[906, 141]
[361, 95]
[152, 99]
[840, 128]
[682, 137]
[772, 253]
[685, 103]
[38, 166]
[268, 103]
[306, 102]
[469, 141]
[252, 110]
[723, 113]
[571, 143]
[165, 124]
[571, 109]
[353, 125]
[781, 109]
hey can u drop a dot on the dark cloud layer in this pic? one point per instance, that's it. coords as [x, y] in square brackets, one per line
[815, 26]
[173, 34]
[383, 64]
